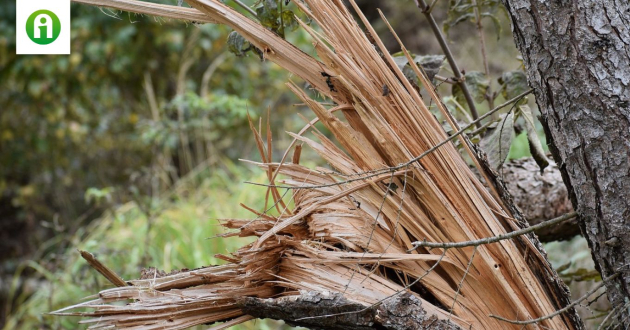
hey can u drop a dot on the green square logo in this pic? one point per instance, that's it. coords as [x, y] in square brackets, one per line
[43, 27]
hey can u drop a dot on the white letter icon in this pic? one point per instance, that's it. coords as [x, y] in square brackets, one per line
[43, 20]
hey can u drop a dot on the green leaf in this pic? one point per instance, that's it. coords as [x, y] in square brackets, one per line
[498, 140]
[478, 85]
[430, 63]
[400, 60]
[97, 196]
[496, 22]
[290, 23]
[514, 83]
[270, 4]
[535, 147]
[464, 10]
[269, 15]
[237, 45]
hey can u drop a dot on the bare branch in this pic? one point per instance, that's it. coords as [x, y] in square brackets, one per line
[422, 5]
[494, 239]
[560, 311]
[461, 283]
[430, 8]
[246, 7]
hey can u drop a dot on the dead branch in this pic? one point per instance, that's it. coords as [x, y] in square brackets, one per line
[460, 79]
[495, 239]
[560, 311]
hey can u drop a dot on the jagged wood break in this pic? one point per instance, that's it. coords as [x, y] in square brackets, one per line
[351, 237]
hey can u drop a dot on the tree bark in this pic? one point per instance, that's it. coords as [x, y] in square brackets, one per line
[577, 56]
[540, 196]
[403, 312]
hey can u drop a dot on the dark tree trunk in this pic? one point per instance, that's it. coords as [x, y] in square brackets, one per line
[577, 55]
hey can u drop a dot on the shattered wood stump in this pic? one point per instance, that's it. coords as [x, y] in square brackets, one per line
[350, 231]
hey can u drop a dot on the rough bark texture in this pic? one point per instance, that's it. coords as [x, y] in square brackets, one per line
[577, 55]
[403, 312]
[540, 197]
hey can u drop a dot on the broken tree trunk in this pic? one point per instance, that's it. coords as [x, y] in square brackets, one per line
[350, 231]
[577, 55]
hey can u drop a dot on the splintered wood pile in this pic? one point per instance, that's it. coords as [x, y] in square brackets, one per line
[350, 230]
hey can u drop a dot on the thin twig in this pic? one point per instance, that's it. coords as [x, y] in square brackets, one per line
[422, 5]
[445, 79]
[429, 9]
[374, 226]
[482, 44]
[560, 311]
[612, 314]
[482, 38]
[246, 7]
[461, 283]
[494, 239]
[378, 172]
[478, 130]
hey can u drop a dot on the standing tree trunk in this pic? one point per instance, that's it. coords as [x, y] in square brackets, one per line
[577, 55]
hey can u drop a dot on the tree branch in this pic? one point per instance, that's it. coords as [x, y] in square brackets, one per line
[560, 311]
[494, 239]
[426, 10]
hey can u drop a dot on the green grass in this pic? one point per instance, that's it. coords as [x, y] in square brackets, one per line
[178, 239]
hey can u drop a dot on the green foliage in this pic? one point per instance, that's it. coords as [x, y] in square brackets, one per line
[535, 147]
[270, 14]
[237, 45]
[181, 236]
[289, 21]
[217, 119]
[498, 140]
[98, 196]
[513, 83]
[70, 123]
[477, 83]
[431, 64]
[460, 11]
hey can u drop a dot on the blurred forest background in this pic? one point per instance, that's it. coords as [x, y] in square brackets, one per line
[129, 147]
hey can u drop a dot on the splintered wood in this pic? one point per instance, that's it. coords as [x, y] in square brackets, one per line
[351, 229]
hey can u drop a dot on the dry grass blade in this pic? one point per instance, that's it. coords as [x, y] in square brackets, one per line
[352, 236]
